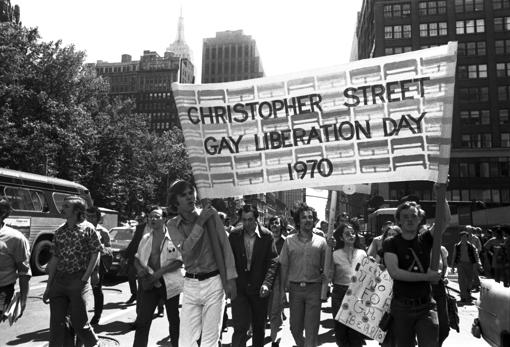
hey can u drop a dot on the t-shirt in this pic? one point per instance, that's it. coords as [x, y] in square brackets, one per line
[422, 246]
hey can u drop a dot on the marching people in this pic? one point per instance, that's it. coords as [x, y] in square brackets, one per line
[76, 249]
[344, 259]
[158, 263]
[465, 258]
[375, 248]
[475, 240]
[93, 215]
[302, 265]
[278, 227]
[407, 258]
[14, 261]
[256, 262]
[203, 296]
[494, 248]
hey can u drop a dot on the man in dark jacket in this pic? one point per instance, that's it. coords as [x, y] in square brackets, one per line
[465, 257]
[256, 264]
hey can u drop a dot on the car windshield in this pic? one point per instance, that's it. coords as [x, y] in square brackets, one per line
[121, 234]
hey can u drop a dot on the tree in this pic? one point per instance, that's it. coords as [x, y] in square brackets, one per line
[57, 119]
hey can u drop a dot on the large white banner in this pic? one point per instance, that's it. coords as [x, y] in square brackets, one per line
[377, 120]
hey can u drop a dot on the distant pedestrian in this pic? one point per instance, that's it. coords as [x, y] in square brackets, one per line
[475, 240]
[302, 264]
[256, 262]
[465, 258]
[14, 261]
[76, 249]
[494, 247]
[203, 297]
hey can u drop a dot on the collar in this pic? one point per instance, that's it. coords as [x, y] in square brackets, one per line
[179, 219]
[165, 236]
[257, 231]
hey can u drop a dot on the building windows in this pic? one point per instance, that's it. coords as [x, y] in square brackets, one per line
[503, 116]
[475, 117]
[433, 29]
[470, 26]
[430, 8]
[397, 10]
[504, 93]
[502, 24]
[397, 50]
[505, 140]
[476, 140]
[472, 71]
[474, 94]
[468, 5]
[472, 48]
[503, 69]
[502, 46]
[500, 4]
[397, 32]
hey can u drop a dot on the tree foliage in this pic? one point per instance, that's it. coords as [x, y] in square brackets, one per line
[57, 119]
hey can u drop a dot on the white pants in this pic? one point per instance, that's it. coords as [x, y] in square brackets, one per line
[202, 312]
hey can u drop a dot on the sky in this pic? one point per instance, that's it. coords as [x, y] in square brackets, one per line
[291, 35]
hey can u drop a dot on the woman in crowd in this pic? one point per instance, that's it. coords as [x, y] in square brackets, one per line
[346, 256]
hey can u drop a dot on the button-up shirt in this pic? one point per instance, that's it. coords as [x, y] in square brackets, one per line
[73, 246]
[249, 241]
[195, 245]
[14, 255]
[304, 260]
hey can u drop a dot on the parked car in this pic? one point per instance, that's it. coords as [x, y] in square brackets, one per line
[120, 238]
[493, 322]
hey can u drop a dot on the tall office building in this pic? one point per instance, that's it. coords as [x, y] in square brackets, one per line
[480, 155]
[179, 47]
[230, 56]
[148, 82]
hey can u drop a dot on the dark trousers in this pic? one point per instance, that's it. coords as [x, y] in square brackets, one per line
[439, 295]
[246, 309]
[146, 304]
[131, 274]
[466, 273]
[6, 294]
[414, 321]
[345, 336]
[305, 313]
[68, 294]
[97, 290]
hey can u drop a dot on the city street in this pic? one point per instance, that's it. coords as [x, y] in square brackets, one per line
[32, 329]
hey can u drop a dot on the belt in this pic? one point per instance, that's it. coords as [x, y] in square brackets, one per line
[202, 275]
[304, 284]
[414, 302]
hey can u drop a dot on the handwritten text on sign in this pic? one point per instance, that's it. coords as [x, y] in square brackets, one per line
[378, 120]
[366, 300]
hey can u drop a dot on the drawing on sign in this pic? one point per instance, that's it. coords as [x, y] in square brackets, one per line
[367, 299]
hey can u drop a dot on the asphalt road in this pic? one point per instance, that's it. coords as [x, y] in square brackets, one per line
[32, 329]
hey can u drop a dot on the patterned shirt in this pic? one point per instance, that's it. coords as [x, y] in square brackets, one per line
[73, 246]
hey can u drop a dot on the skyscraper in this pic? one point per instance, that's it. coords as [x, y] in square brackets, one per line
[179, 47]
[480, 155]
[230, 56]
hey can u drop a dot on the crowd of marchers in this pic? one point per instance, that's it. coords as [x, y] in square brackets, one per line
[193, 261]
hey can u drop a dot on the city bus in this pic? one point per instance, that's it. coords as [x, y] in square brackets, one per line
[36, 201]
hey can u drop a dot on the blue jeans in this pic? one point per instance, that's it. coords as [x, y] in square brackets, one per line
[305, 313]
[411, 322]
[68, 295]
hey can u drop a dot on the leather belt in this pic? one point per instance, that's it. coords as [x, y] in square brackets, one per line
[202, 275]
[414, 302]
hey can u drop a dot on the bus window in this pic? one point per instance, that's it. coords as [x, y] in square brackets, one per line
[22, 199]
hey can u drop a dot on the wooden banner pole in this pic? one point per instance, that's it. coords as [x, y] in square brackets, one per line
[331, 230]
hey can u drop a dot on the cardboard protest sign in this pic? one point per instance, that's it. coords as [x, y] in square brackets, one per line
[367, 299]
[377, 120]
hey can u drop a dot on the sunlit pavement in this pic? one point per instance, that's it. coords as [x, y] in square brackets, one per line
[32, 329]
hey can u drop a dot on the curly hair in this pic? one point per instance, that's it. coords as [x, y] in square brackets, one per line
[338, 234]
[301, 207]
[407, 205]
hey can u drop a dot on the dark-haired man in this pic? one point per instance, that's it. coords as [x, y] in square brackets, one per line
[14, 260]
[203, 296]
[76, 249]
[256, 262]
[302, 265]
